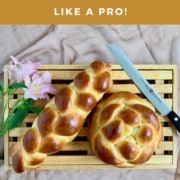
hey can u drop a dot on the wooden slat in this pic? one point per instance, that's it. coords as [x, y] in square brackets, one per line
[152, 67]
[90, 159]
[165, 145]
[146, 73]
[160, 88]
[120, 75]
[84, 146]
[91, 162]
[167, 131]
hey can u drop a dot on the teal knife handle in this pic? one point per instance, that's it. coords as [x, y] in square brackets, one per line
[175, 119]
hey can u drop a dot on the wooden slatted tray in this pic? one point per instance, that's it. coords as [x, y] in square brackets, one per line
[77, 154]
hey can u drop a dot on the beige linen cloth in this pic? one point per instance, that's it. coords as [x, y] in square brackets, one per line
[81, 44]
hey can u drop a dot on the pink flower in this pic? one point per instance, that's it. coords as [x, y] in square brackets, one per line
[38, 86]
[18, 71]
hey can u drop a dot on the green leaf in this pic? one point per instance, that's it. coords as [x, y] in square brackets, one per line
[1, 86]
[16, 85]
[28, 101]
[34, 109]
[17, 118]
[28, 104]
[3, 130]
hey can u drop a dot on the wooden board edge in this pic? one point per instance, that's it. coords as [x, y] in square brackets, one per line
[169, 67]
[175, 86]
[114, 66]
[6, 148]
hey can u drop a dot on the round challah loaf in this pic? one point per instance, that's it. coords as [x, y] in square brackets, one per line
[124, 130]
[62, 118]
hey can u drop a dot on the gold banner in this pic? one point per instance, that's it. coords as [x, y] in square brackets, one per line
[89, 12]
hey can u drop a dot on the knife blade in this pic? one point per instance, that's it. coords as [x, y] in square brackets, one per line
[144, 85]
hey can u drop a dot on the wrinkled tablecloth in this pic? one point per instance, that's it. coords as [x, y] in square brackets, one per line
[81, 44]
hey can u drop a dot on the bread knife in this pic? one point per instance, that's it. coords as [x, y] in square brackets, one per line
[144, 85]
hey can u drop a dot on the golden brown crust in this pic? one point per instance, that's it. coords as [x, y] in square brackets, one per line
[105, 152]
[98, 66]
[31, 141]
[113, 130]
[18, 162]
[63, 99]
[62, 117]
[125, 130]
[69, 124]
[82, 80]
[128, 150]
[50, 144]
[102, 82]
[86, 101]
[36, 161]
[45, 120]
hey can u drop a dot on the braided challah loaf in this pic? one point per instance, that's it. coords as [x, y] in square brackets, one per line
[125, 130]
[62, 118]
